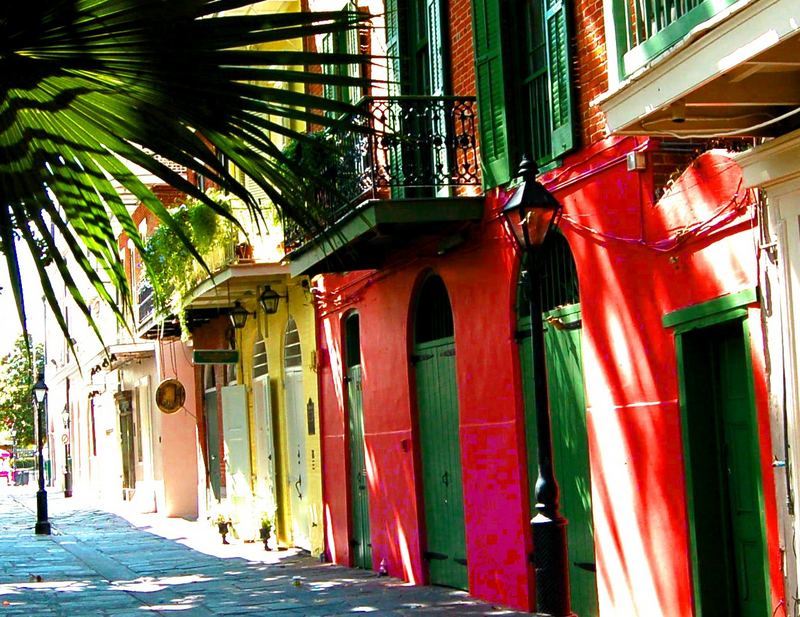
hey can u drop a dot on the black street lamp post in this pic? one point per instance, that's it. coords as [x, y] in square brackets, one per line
[40, 403]
[532, 212]
[67, 454]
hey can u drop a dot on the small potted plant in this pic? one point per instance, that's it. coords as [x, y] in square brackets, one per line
[223, 525]
[265, 530]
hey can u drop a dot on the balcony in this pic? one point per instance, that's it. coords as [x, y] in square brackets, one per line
[413, 173]
[703, 68]
[237, 269]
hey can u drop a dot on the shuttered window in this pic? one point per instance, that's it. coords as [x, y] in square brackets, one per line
[344, 42]
[487, 38]
[522, 54]
[393, 47]
[292, 354]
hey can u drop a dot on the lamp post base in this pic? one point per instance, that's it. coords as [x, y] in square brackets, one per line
[42, 524]
[67, 484]
[550, 564]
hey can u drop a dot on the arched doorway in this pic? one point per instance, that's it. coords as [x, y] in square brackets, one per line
[561, 321]
[359, 491]
[437, 403]
[297, 471]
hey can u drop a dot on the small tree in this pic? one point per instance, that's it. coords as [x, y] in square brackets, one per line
[18, 376]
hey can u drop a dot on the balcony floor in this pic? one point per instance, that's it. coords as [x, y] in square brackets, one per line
[365, 237]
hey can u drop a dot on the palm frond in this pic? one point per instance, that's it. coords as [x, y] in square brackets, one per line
[88, 87]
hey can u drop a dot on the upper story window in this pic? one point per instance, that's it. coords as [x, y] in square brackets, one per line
[345, 42]
[522, 62]
[415, 45]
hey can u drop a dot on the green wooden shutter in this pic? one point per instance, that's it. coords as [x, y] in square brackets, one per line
[436, 47]
[352, 47]
[492, 117]
[392, 125]
[328, 90]
[559, 60]
[393, 47]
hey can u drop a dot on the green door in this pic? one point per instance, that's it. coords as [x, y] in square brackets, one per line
[437, 398]
[362, 545]
[126, 443]
[723, 473]
[212, 440]
[562, 335]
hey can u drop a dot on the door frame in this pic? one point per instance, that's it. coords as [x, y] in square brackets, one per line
[719, 311]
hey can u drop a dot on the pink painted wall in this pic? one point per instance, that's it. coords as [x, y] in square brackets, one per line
[637, 260]
[178, 439]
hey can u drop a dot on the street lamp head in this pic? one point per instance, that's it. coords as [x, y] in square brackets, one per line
[40, 389]
[238, 315]
[269, 300]
[532, 211]
[65, 416]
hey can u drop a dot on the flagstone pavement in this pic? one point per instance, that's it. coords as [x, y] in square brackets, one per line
[121, 564]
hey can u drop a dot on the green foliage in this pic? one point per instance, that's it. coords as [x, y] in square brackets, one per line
[321, 161]
[171, 268]
[18, 377]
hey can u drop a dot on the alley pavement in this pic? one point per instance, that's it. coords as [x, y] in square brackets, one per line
[121, 564]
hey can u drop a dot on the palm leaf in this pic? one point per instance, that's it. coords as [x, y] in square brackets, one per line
[88, 87]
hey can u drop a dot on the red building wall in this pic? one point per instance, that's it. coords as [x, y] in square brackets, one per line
[637, 260]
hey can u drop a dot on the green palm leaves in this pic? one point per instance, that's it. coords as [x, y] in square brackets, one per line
[91, 89]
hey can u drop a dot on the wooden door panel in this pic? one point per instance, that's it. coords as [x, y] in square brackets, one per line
[212, 442]
[441, 464]
[236, 440]
[571, 453]
[362, 544]
[297, 477]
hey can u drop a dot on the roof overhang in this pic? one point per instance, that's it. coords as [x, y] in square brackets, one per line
[235, 282]
[738, 73]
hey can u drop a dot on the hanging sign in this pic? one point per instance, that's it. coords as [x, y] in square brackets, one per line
[215, 356]
[170, 395]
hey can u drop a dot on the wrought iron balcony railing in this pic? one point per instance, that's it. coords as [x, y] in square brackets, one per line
[414, 146]
[646, 28]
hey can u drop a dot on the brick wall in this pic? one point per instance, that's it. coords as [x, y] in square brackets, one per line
[462, 63]
[591, 67]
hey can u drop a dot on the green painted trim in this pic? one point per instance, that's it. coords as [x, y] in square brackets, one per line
[724, 308]
[748, 358]
[671, 34]
[689, 484]
[617, 30]
[383, 212]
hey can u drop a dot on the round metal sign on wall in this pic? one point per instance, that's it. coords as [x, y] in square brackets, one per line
[170, 395]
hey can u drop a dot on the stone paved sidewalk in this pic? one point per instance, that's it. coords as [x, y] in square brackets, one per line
[99, 563]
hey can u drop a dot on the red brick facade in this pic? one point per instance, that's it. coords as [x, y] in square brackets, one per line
[591, 67]
[462, 61]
